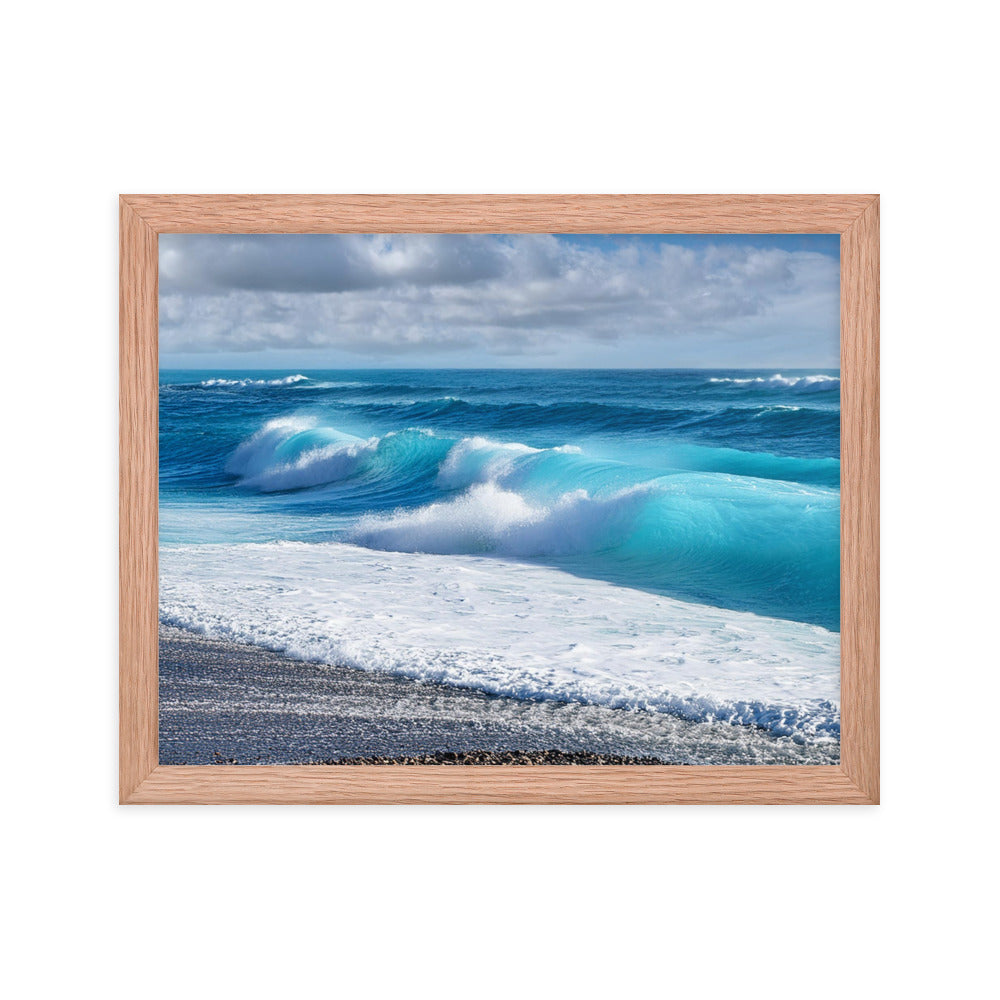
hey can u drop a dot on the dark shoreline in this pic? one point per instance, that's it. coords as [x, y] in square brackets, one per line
[527, 758]
[224, 702]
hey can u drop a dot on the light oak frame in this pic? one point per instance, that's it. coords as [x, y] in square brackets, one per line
[142, 779]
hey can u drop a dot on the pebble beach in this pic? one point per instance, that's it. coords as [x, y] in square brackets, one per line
[224, 702]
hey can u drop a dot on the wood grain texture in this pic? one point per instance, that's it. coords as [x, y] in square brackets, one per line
[138, 750]
[855, 217]
[500, 784]
[859, 501]
[492, 213]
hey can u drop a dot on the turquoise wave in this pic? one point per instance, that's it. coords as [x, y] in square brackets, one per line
[720, 488]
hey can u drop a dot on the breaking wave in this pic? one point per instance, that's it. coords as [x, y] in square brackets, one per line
[798, 383]
[242, 383]
[681, 528]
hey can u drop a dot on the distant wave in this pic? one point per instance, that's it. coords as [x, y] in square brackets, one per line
[241, 383]
[592, 417]
[800, 383]
[336, 385]
[780, 408]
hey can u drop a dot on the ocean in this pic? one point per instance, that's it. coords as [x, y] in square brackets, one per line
[665, 541]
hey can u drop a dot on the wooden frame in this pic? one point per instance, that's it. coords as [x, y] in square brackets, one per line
[855, 217]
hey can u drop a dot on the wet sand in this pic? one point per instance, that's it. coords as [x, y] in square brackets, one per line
[230, 703]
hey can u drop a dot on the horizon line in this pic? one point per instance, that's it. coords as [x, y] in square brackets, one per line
[540, 368]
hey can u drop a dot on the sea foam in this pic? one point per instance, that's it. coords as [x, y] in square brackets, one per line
[487, 518]
[799, 383]
[241, 383]
[509, 628]
[292, 453]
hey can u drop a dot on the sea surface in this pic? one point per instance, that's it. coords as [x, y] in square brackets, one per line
[657, 540]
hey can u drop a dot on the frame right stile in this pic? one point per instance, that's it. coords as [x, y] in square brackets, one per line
[859, 498]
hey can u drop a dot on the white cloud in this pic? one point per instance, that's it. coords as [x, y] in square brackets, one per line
[380, 296]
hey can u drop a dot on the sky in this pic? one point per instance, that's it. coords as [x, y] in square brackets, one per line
[513, 301]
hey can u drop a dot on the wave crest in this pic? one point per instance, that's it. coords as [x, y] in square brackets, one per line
[488, 518]
[292, 453]
[797, 383]
[242, 383]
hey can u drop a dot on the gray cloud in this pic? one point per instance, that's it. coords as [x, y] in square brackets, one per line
[383, 295]
[285, 263]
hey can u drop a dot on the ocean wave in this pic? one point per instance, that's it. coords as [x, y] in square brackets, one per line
[510, 628]
[292, 454]
[675, 531]
[808, 428]
[242, 383]
[488, 518]
[779, 408]
[295, 453]
[797, 383]
[682, 533]
[754, 464]
[335, 385]
[680, 528]
[298, 452]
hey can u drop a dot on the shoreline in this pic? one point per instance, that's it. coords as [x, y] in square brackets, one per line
[224, 702]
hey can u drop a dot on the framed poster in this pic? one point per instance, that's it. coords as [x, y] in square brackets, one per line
[499, 498]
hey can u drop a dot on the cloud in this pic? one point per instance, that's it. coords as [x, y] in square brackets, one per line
[382, 296]
[320, 264]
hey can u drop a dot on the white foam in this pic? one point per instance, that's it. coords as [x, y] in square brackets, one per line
[509, 628]
[801, 383]
[479, 460]
[488, 518]
[328, 464]
[243, 382]
[255, 463]
[482, 460]
[252, 454]
[778, 408]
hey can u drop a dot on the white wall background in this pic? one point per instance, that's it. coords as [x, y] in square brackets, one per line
[482, 902]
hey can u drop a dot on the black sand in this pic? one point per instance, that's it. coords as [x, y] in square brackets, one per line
[230, 703]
